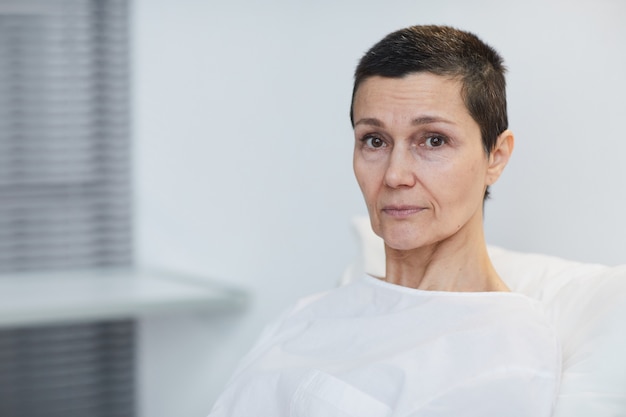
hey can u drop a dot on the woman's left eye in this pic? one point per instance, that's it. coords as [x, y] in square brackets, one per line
[435, 141]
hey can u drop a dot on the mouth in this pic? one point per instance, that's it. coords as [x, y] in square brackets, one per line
[400, 212]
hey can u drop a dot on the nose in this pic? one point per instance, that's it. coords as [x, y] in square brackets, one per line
[400, 169]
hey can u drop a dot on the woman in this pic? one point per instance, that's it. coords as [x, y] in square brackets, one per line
[440, 334]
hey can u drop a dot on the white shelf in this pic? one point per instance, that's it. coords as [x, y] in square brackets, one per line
[34, 299]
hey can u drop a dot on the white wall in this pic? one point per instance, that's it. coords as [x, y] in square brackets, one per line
[243, 153]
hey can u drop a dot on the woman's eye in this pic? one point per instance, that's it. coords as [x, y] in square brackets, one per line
[374, 142]
[435, 141]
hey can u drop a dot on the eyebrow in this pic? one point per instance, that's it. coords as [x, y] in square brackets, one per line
[424, 120]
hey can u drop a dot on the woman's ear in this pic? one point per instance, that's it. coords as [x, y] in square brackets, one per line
[499, 156]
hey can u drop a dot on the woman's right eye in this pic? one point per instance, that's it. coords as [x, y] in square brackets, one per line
[373, 142]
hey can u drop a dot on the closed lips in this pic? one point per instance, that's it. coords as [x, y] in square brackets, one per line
[402, 210]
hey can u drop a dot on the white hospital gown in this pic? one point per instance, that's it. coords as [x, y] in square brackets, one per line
[374, 349]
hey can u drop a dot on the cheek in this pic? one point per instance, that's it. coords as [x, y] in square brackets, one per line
[461, 183]
[358, 172]
[366, 177]
[365, 184]
[473, 184]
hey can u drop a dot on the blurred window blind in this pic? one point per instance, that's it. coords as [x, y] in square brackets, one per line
[65, 196]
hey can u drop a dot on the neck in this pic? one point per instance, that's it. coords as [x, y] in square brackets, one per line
[455, 264]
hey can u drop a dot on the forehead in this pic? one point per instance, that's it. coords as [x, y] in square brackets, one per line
[417, 94]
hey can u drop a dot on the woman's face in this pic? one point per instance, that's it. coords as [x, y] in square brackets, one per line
[419, 160]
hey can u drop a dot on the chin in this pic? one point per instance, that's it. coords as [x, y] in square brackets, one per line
[407, 241]
[401, 243]
[400, 237]
[402, 246]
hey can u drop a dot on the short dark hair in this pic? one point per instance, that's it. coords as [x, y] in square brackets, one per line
[443, 50]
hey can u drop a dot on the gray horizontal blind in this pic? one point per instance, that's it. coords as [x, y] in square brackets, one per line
[67, 371]
[65, 196]
[64, 135]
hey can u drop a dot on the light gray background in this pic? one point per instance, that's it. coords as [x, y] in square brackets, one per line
[243, 153]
